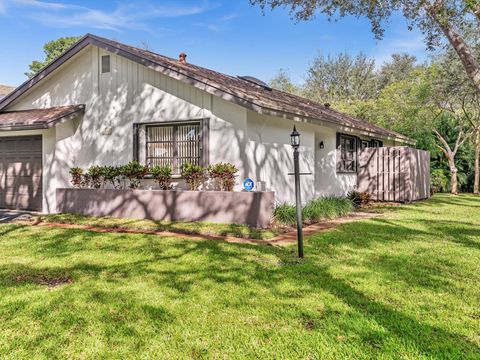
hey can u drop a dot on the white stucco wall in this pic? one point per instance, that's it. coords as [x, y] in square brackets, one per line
[258, 145]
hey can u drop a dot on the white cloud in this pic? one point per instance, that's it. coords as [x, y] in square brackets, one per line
[131, 16]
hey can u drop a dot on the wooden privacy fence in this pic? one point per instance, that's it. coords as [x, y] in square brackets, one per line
[399, 174]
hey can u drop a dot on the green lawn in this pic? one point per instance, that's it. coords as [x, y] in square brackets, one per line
[181, 227]
[406, 285]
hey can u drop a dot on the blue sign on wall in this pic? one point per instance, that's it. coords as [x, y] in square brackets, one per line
[248, 184]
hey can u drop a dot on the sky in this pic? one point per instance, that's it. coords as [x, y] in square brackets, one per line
[229, 36]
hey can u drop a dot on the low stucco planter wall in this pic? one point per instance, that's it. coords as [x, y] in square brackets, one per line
[249, 208]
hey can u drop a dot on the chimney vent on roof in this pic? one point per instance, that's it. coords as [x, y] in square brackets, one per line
[182, 58]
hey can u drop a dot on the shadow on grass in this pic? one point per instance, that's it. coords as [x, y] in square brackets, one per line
[310, 278]
[144, 259]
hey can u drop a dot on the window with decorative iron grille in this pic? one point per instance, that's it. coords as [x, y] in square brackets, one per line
[347, 153]
[174, 145]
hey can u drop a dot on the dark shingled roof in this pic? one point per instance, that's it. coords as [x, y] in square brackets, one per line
[267, 98]
[38, 118]
[243, 92]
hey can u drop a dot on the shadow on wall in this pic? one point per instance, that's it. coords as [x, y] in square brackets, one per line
[250, 208]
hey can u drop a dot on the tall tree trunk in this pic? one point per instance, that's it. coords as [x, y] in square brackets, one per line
[458, 43]
[453, 176]
[476, 180]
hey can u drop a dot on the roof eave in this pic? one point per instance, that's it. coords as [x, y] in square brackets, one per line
[178, 75]
[45, 125]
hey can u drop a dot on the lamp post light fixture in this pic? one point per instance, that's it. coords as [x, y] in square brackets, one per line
[295, 140]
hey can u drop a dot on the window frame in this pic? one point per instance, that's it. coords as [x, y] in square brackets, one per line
[204, 138]
[102, 71]
[340, 166]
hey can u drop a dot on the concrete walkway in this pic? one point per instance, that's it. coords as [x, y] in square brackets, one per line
[8, 216]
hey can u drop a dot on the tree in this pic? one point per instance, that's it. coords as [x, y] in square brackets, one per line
[455, 81]
[433, 17]
[399, 68]
[341, 79]
[283, 82]
[51, 50]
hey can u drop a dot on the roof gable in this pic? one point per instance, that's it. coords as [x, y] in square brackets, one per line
[258, 98]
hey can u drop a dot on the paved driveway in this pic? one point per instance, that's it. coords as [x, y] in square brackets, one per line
[7, 216]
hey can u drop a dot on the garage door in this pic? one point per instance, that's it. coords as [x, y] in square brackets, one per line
[21, 172]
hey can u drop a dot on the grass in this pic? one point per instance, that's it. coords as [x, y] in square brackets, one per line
[405, 285]
[187, 228]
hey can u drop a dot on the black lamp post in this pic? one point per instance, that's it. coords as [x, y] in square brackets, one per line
[295, 139]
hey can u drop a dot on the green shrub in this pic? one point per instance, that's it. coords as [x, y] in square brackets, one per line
[194, 175]
[134, 172]
[162, 176]
[326, 208]
[111, 175]
[224, 175]
[285, 214]
[95, 178]
[359, 198]
[439, 181]
[76, 174]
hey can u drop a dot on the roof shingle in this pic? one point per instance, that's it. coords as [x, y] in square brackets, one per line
[37, 118]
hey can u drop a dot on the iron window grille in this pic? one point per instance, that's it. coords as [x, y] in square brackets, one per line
[347, 152]
[174, 145]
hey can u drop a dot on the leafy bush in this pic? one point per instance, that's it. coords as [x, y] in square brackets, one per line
[134, 172]
[194, 175]
[224, 175]
[285, 214]
[359, 198]
[77, 177]
[111, 175]
[95, 178]
[439, 181]
[162, 176]
[326, 208]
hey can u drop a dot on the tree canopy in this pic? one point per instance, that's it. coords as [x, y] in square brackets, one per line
[51, 50]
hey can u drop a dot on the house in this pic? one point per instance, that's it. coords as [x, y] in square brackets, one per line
[106, 103]
[5, 90]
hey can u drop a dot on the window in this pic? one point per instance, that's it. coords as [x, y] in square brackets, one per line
[376, 143]
[365, 144]
[105, 64]
[174, 145]
[346, 153]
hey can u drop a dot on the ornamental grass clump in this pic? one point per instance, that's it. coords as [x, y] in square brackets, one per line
[326, 208]
[194, 175]
[134, 172]
[224, 175]
[162, 174]
[285, 214]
